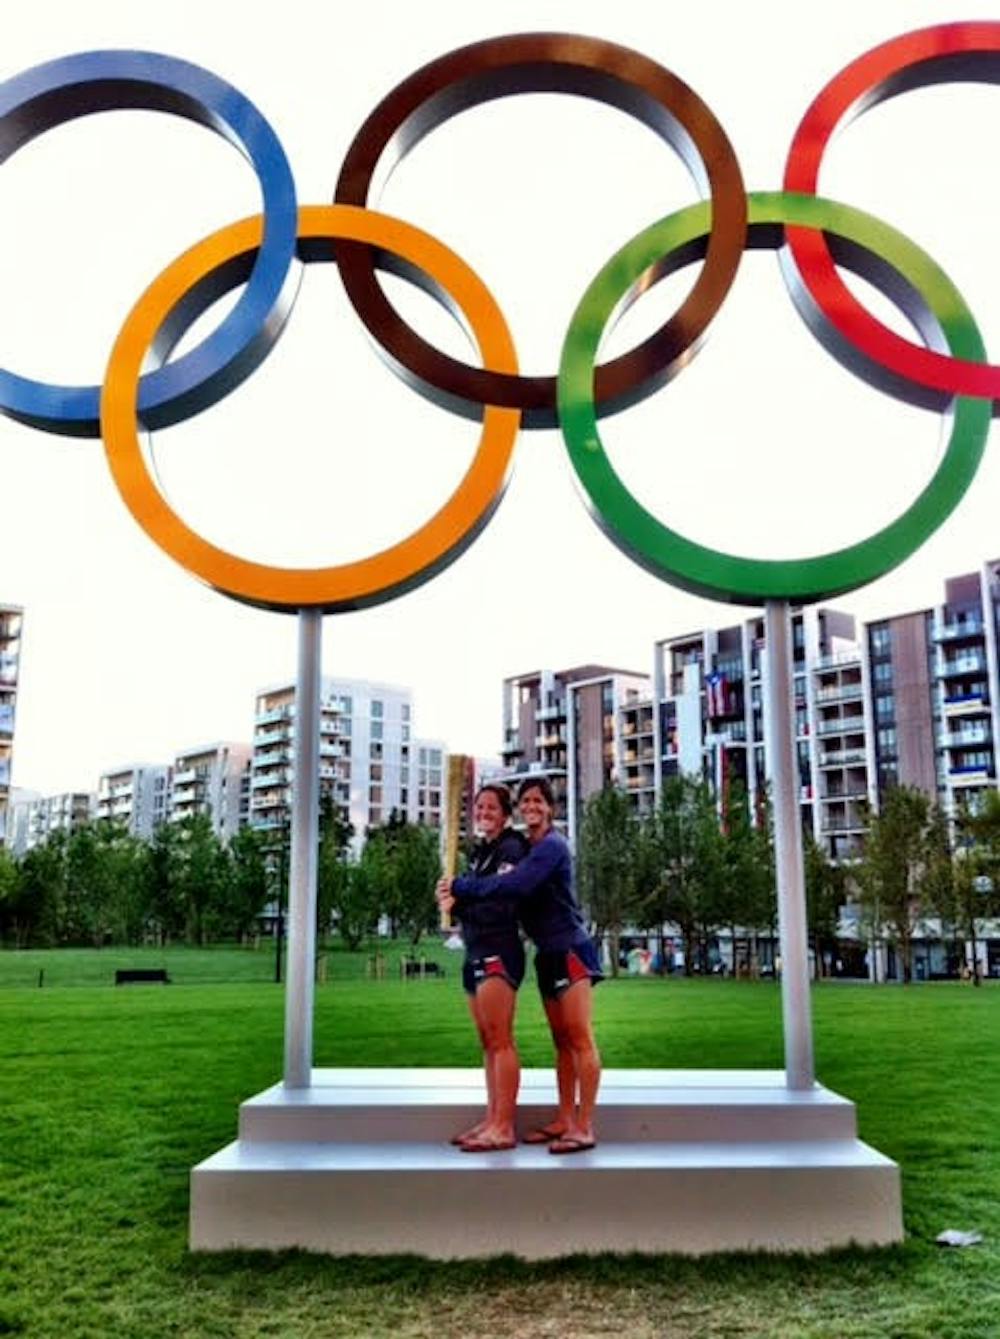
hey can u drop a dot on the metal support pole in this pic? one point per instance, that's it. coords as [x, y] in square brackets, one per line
[304, 844]
[783, 770]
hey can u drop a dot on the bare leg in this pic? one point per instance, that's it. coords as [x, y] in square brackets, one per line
[495, 1001]
[474, 1130]
[565, 1068]
[574, 1020]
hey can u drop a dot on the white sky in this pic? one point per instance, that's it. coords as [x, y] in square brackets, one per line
[764, 445]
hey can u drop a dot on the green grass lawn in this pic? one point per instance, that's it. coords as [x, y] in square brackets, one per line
[109, 1096]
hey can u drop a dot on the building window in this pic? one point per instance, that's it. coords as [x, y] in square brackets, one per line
[880, 640]
[376, 731]
[885, 706]
[376, 710]
[882, 671]
[375, 749]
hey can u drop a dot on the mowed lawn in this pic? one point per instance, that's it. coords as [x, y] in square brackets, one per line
[109, 1096]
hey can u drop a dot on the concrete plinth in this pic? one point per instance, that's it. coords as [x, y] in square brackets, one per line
[691, 1161]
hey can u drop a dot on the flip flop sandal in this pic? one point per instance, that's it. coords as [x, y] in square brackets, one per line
[486, 1146]
[570, 1144]
[543, 1135]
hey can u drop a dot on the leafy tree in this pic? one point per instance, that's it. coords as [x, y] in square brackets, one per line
[197, 876]
[105, 885]
[900, 869]
[8, 888]
[36, 909]
[335, 834]
[164, 892]
[248, 887]
[826, 892]
[417, 858]
[354, 900]
[403, 862]
[30, 892]
[690, 864]
[613, 864]
[746, 897]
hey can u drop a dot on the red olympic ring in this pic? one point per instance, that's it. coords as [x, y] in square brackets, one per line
[946, 53]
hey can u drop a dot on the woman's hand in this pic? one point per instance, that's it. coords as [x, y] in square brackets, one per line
[445, 897]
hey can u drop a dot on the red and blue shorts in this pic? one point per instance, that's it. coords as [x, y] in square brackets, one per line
[507, 964]
[558, 969]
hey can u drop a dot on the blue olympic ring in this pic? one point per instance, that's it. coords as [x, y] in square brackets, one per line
[61, 90]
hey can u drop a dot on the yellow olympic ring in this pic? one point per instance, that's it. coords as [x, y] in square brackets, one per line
[350, 585]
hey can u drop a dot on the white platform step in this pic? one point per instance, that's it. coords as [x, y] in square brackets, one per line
[372, 1106]
[689, 1160]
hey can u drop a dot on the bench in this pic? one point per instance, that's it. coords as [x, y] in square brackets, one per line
[411, 968]
[139, 975]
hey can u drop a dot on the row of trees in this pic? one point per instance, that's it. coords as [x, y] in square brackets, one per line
[99, 885]
[679, 864]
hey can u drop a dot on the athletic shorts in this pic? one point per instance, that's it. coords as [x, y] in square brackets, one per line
[507, 964]
[558, 969]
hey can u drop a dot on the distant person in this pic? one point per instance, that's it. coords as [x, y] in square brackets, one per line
[493, 969]
[567, 964]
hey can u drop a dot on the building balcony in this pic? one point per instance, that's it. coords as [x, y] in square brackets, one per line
[843, 725]
[275, 714]
[966, 738]
[850, 793]
[976, 775]
[837, 661]
[841, 692]
[842, 758]
[271, 758]
[953, 632]
[263, 737]
[843, 825]
[947, 669]
[550, 714]
[967, 704]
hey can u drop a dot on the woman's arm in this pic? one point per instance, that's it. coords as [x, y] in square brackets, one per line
[536, 868]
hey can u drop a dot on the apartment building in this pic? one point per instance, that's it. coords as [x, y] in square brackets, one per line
[32, 821]
[935, 692]
[370, 763]
[137, 795]
[212, 779]
[914, 700]
[11, 619]
[566, 726]
[706, 718]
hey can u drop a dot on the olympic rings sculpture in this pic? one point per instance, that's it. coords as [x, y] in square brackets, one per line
[813, 236]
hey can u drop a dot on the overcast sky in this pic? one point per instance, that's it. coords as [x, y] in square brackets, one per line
[764, 445]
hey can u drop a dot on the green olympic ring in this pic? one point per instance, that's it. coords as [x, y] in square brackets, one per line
[884, 256]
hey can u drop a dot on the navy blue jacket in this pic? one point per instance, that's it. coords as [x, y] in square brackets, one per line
[488, 926]
[542, 886]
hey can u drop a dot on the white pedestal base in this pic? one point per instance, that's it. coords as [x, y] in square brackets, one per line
[688, 1161]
